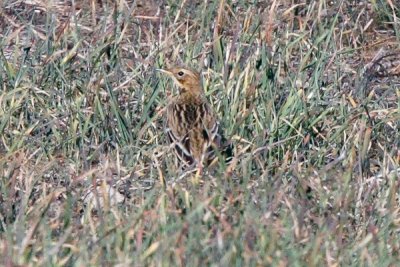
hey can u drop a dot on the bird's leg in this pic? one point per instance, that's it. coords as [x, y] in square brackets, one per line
[200, 162]
[199, 169]
[200, 166]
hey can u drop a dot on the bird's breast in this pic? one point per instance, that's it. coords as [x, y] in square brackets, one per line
[186, 115]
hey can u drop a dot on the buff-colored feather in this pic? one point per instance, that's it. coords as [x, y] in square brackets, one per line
[191, 124]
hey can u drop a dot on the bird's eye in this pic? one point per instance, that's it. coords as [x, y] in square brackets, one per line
[180, 73]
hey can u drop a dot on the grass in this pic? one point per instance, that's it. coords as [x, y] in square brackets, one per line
[309, 94]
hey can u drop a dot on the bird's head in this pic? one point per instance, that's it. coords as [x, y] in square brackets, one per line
[187, 80]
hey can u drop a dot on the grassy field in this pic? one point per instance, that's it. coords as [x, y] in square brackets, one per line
[307, 90]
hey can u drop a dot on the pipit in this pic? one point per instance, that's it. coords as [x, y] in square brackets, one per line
[191, 125]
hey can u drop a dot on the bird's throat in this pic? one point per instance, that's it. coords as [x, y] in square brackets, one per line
[191, 96]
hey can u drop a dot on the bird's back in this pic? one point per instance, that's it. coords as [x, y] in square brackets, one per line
[192, 127]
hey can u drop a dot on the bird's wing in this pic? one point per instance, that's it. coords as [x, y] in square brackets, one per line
[217, 141]
[177, 135]
[209, 122]
[194, 132]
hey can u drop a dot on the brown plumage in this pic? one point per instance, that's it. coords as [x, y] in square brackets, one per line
[191, 124]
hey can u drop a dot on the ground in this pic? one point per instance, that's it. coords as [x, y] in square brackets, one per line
[308, 92]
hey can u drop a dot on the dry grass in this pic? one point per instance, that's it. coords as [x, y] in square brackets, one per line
[307, 90]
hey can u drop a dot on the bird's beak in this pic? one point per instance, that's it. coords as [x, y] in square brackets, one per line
[164, 71]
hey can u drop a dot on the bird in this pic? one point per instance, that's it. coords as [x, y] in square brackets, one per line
[191, 125]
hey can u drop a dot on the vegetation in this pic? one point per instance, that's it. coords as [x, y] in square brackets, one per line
[307, 90]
